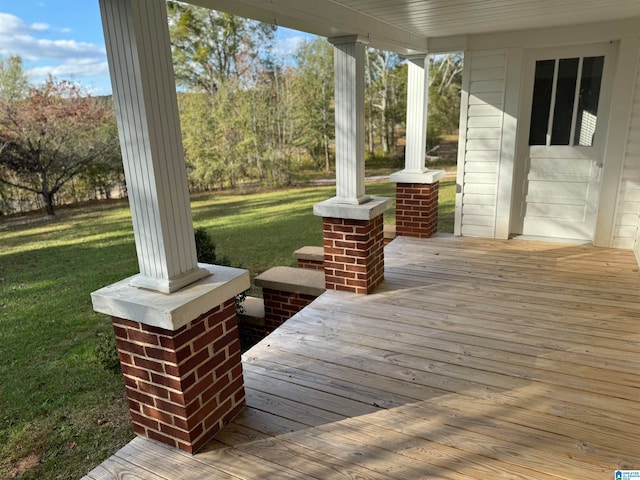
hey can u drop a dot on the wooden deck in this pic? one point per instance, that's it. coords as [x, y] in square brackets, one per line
[475, 359]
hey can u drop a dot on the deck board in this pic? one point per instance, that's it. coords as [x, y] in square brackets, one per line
[475, 359]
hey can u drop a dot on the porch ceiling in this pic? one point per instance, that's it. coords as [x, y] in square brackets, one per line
[406, 25]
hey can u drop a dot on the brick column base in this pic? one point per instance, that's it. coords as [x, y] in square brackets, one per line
[182, 385]
[416, 209]
[280, 306]
[353, 254]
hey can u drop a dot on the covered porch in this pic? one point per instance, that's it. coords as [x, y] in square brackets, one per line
[473, 359]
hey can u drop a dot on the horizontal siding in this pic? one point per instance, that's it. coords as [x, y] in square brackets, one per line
[626, 222]
[483, 139]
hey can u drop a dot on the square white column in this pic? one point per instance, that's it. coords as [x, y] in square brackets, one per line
[139, 53]
[349, 59]
[416, 131]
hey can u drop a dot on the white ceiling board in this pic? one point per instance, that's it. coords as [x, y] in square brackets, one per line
[406, 25]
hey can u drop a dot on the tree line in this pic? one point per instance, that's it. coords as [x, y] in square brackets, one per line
[248, 115]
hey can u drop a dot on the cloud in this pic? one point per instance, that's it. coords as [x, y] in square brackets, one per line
[60, 57]
[285, 47]
[17, 37]
[39, 26]
[72, 68]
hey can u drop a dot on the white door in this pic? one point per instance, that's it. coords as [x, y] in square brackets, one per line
[561, 141]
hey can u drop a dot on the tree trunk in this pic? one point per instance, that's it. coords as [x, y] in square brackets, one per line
[48, 202]
[327, 162]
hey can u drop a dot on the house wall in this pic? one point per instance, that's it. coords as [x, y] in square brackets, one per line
[482, 115]
[488, 124]
[625, 233]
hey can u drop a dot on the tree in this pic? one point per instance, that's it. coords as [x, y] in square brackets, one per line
[445, 85]
[210, 46]
[52, 135]
[381, 89]
[14, 82]
[314, 83]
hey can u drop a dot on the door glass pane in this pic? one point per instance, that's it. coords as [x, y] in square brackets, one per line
[565, 96]
[588, 100]
[542, 88]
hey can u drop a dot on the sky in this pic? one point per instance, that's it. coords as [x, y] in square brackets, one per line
[64, 38]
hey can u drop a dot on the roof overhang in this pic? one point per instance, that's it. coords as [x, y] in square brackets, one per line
[406, 26]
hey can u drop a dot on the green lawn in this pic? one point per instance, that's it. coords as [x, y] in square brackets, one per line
[61, 413]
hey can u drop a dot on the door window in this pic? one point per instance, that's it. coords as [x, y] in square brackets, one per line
[565, 101]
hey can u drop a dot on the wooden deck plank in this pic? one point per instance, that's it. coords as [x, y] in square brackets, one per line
[486, 412]
[474, 359]
[477, 345]
[478, 383]
[497, 428]
[521, 368]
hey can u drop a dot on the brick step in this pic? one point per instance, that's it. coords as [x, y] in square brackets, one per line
[286, 291]
[310, 257]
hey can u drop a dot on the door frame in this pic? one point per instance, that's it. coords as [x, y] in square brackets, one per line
[610, 73]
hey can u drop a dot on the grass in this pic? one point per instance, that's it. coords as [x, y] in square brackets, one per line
[61, 413]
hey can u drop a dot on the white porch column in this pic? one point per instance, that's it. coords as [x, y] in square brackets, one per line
[177, 336]
[139, 53]
[417, 186]
[416, 132]
[417, 105]
[348, 58]
[352, 222]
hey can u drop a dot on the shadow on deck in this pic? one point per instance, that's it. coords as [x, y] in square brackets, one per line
[475, 359]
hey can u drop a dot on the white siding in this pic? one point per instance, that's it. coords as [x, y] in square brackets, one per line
[626, 221]
[482, 140]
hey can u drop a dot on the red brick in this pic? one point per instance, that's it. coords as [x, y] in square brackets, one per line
[156, 390]
[136, 395]
[175, 432]
[189, 334]
[148, 364]
[195, 389]
[139, 429]
[125, 357]
[120, 331]
[126, 323]
[173, 408]
[129, 347]
[134, 371]
[156, 414]
[167, 440]
[143, 420]
[160, 354]
[143, 337]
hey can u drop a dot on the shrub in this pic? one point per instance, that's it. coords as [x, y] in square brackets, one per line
[107, 352]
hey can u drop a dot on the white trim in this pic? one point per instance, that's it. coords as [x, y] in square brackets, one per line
[462, 141]
[507, 162]
[555, 36]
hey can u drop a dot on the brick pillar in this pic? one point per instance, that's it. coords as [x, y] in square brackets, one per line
[182, 385]
[353, 254]
[416, 209]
